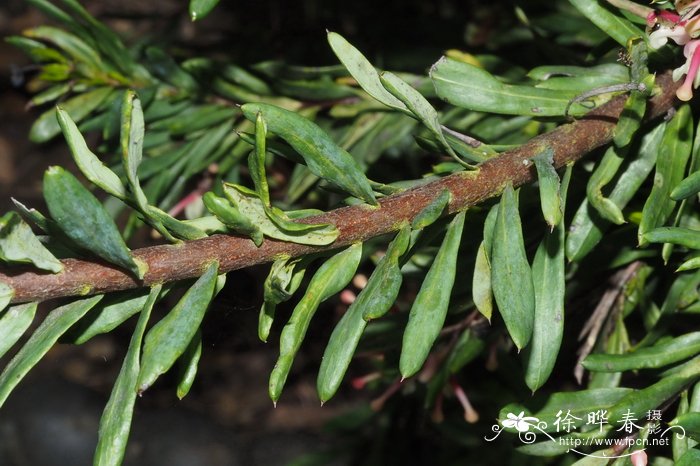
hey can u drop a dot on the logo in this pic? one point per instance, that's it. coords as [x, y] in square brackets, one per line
[594, 431]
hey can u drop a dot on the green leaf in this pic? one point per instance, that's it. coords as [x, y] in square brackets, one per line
[330, 278]
[468, 86]
[675, 235]
[6, 295]
[115, 423]
[604, 172]
[651, 357]
[550, 198]
[201, 8]
[83, 219]
[432, 211]
[689, 458]
[132, 136]
[47, 126]
[283, 280]
[74, 46]
[548, 277]
[88, 163]
[587, 227]
[579, 77]
[690, 422]
[429, 310]
[188, 368]
[41, 341]
[482, 293]
[322, 155]
[687, 188]
[231, 216]
[179, 229]
[170, 337]
[106, 41]
[18, 244]
[579, 403]
[362, 70]
[468, 347]
[617, 27]
[635, 106]
[375, 300]
[131, 141]
[339, 351]
[256, 161]
[36, 50]
[651, 397]
[690, 264]
[13, 323]
[511, 276]
[108, 315]
[670, 167]
[382, 288]
[249, 206]
[417, 105]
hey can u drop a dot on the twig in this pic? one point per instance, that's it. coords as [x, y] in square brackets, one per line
[589, 333]
[167, 263]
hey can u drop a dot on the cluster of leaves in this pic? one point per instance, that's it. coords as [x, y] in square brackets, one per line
[172, 125]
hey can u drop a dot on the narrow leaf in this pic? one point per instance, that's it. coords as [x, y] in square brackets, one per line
[362, 70]
[47, 126]
[108, 315]
[429, 310]
[230, 216]
[169, 338]
[687, 188]
[283, 280]
[511, 276]
[670, 167]
[189, 362]
[548, 277]
[322, 155]
[115, 423]
[650, 357]
[617, 27]
[469, 86]
[417, 105]
[587, 227]
[41, 341]
[383, 285]
[675, 235]
[432, 211]
[13, 323]
[603, 174]
[249, 206]
[201, 8]
[549, 187]
[6, 295]
[330, 278]
[88, 163]
[18, 244]
[482, 292]
[651, 397]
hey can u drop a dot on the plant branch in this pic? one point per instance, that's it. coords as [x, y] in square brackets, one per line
[167, 263]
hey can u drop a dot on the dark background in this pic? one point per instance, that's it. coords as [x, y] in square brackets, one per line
[228, 418]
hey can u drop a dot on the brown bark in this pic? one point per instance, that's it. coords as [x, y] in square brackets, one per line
[569, 143]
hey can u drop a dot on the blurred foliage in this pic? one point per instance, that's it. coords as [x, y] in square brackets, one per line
[191, 142]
